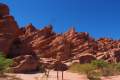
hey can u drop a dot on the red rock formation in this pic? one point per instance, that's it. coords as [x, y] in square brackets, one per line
[71, 44]
[48, 44]
[39, 40]
[8, 29]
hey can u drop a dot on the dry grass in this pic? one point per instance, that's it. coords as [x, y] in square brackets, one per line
[96, 69]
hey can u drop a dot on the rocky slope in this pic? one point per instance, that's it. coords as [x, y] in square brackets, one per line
[46, 43]
[69, 45]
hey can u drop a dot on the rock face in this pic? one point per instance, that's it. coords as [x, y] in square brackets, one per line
[18, 42]
[70, 45]
[8, 29]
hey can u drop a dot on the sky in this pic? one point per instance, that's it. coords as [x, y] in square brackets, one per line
[101, 18]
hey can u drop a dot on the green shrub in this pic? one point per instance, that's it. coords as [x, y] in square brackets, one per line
[93, 75]
[107, 72]
[117, 67]
[106, 69]
[82, 68]
[96, 68]
[4, 63]
[88, 69]
[100, 64]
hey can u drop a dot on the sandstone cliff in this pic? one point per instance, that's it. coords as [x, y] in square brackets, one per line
[46, 43]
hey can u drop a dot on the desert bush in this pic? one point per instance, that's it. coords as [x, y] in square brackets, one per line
[93, 75]
[99, 64]
[117, 66]
[106, 69]
[96, 68]
[88, 69]
[4, 63]
[82, 68]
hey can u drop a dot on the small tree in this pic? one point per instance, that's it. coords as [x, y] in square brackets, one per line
[4, 63]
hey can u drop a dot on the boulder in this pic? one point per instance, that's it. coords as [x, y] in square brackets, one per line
[87, 58]
[25, 64]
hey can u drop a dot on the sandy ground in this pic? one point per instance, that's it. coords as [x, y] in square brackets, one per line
[111, 78]
[52, 76]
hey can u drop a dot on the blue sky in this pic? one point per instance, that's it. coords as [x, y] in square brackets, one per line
[101, 18]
